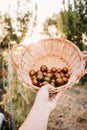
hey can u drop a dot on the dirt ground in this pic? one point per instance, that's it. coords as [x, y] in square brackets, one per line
[71, 111]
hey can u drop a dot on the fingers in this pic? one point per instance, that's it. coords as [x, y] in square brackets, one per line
[47, 87]
[44, 91]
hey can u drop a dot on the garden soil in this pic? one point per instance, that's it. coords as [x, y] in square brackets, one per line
[71, 110]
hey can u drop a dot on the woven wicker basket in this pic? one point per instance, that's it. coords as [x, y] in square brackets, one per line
[51, 52]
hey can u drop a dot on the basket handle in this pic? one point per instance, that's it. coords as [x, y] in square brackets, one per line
[15, 53]
[85, 71]
[85, 55]
[85, 58]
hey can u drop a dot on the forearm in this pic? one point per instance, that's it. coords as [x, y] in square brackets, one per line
[39, 114]
[36, 120]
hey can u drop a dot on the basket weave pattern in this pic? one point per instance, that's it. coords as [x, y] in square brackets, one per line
[52, 52]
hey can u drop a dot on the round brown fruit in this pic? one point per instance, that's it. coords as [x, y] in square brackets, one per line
[65, 79]
[39, 72]
[59, 82]
[33, 77]
[62, 74]
[53, 69]
[40, 77]
[64, 70]
[32, 72]
[47, 79]
[50, 75]
[35, 82]
[43, 68]
[44, 74]
[57, 75]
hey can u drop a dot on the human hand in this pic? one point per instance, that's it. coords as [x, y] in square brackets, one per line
[43, 101]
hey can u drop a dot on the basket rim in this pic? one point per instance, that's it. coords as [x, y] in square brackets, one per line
[62, 40]
[55, 39]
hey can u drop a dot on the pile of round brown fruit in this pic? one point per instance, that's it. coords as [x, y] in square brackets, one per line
[54, 76]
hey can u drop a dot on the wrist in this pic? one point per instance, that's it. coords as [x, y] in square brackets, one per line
[41, 109]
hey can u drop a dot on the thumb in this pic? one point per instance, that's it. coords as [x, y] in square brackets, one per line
[58, 95]
[47, 87]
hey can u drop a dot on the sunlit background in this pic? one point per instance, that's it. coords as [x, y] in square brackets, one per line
[45, 9]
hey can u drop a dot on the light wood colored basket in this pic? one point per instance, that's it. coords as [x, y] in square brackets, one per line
[52, 52]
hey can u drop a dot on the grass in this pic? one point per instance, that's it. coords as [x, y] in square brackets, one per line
[20, 99]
